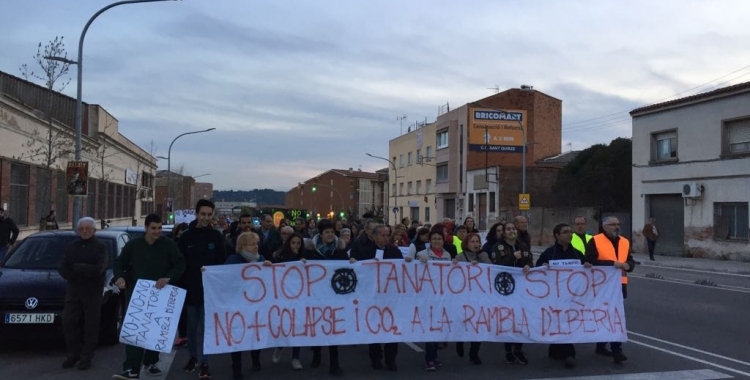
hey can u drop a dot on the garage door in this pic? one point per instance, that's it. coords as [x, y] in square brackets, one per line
[669, 211]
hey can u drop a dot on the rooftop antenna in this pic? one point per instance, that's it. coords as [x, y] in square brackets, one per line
[496, 88]
[401, 122]
[570, 146]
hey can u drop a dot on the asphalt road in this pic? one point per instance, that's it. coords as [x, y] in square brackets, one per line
[677, 331]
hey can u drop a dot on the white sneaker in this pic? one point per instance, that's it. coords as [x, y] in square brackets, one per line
[276, 357]
[296, 364]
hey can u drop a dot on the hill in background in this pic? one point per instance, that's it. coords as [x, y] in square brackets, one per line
[260, 196]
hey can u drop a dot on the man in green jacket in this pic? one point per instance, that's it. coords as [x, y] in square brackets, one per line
[151, 257]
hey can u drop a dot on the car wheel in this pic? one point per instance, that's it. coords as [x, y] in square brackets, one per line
[111, 322]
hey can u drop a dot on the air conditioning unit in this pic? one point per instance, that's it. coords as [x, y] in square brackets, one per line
[692, 190]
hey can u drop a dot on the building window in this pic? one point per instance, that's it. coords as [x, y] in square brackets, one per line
[426, 215]
[111, 200]
[401, 160]
[61, 200]
[442, 139]
[18, 209]
[393, 189]
[471, 202]
[441, 174]
[665, 146]
[419, 187]
[42, 199]
[410, 188]
[91, 198]
[394, 160]
[419, 156]
[409, 159]
[428, 186]
[737, 136]
[414, 213]
[147, 207]
[401, 188]
[118, 201]
[730, 221]
[492, 201]
[428, 153]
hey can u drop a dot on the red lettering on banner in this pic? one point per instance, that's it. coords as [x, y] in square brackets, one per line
[474, 278]
[392, 277]
[594, 283]
[617, 321]
[416, 320]
[586, 281]
[467, 319]
[426, 277]
[497, 320]
[437, 325]
[557, 277]
[255, 326]
[284, 283]
[310, 281]
[356, 314]
[569, 321]
[463, 279]
[531, 280]
[253, 278]
[440, 274]
[228, 333]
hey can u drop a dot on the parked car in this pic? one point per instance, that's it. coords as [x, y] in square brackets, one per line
[32, 292]
[138, 231]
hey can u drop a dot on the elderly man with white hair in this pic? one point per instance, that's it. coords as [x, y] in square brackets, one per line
[83, 266]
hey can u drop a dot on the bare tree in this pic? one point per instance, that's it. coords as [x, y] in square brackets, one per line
[103, 151]
[145, 181]
[50, 146]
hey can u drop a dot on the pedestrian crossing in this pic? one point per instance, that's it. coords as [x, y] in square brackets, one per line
[698, 374]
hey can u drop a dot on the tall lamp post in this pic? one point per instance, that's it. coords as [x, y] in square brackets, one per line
[79, 89]
[395, 179]
[169, 164]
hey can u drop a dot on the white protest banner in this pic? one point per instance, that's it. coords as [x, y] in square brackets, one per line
[152, 316]
[404, 251]
[320, 303]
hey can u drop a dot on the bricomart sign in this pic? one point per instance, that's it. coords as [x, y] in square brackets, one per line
[496, 131]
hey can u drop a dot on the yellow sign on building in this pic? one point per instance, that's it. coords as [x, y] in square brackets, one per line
[496, 131]
[524, 202]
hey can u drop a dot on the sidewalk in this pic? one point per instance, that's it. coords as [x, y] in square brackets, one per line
[708, 265]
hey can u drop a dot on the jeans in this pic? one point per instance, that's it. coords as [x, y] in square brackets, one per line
[430, 351]
[195, 319]
[651, 247]
[3, 251]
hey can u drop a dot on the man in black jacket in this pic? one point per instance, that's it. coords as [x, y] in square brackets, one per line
[270, 238]
[83, 266]
[201, 245]
[364, 242]
[390, 252]
[8, 233]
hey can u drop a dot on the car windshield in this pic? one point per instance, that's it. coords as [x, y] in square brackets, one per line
[42, 252]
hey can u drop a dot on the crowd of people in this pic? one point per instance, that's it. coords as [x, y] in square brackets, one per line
[212, 241]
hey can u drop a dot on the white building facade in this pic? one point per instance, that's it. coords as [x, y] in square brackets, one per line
[691, 171]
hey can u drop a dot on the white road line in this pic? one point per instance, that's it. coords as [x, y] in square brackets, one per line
[720, 287]
[695, 270]
[698, 374]
[746, 374]
[690, 348]
[414, 346]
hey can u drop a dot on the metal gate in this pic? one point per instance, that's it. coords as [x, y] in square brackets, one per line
[669, 211]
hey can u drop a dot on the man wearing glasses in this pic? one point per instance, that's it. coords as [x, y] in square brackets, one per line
[611, 249]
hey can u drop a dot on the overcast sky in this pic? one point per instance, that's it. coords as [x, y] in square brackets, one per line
[295, 88]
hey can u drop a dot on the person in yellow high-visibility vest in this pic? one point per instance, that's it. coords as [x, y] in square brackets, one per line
[611, 249]
[580, 238]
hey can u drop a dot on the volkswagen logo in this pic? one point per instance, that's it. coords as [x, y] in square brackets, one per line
[32, 303]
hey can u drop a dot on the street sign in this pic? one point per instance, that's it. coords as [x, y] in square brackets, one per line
[524, 202]
[395, 210]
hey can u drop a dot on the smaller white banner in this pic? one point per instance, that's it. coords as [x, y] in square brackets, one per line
[564, 263]
[152, 316]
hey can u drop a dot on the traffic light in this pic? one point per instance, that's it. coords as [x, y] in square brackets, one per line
[314, 188]
[171, 217]
[168, 205]
[341, 214]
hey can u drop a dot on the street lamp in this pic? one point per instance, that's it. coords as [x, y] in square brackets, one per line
[169, 163]
[202, 175]
[79, 88]
[395, 179]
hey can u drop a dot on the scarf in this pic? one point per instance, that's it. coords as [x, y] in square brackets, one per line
[325, 249]
[249, 256]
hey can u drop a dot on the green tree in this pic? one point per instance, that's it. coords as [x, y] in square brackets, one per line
[600, 176]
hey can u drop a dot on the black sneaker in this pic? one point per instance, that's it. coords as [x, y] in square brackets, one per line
[129, 374]
[474, 359]
[70, 362]
[619, 357]
[510, 358]
[315, 360]
[570, 362]
[204, 372]
[335, 371]
[191, 365]
[603, 351]
[84, 364]
[152, 370]
[460, 349]
[521, 357]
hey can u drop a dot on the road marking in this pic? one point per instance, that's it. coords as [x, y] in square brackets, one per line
[414, 347]
[706, 362]
[698, 374]
[685, 282]
[695, 270]
[690, 348]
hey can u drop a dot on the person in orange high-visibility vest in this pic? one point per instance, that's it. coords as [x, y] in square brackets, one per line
[607, 249]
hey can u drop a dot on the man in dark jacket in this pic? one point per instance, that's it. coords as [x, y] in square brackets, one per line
[8, 233]
[201, 245]
[83, 266]
[562, 250]
[364, 242]
[270, 238]
[150, 257]
[522, 224]
[390, 252]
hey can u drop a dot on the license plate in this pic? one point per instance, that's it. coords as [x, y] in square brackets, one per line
[29, 318]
